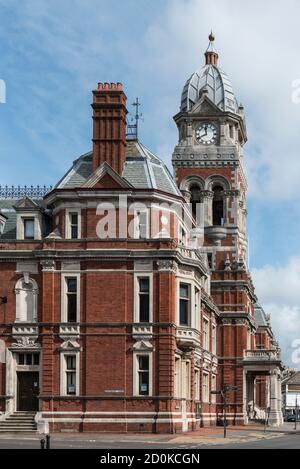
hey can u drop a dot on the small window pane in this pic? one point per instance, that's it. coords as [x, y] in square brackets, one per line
[71, 362]
[21, 359]
[144, 363]
[36, 359]
[143, 375]
[184, 313]
[72, 285]
[29, 228]
[74, 218]
[184, 291]
[144, 285]
[28, 359]
[74, 225]
[72, 308]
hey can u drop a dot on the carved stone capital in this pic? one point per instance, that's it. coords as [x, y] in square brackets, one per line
[207, 194]
[232, 193]
[48, 265]
[166, 266]
[227, 322]
[241, 322]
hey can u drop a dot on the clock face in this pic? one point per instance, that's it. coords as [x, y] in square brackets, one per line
[206, 134]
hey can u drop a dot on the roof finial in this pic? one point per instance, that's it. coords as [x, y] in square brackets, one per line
[211, 37]
[211, 55]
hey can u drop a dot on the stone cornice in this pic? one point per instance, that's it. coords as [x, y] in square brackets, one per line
[47, 256]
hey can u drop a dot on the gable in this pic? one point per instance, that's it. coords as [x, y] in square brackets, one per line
[26, 203]
[107, 182]
[106, 178]
[206, 107]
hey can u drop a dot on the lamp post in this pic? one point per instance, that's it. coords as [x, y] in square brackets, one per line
[3, 300]
[223, 394]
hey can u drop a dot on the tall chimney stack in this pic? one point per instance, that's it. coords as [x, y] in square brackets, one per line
[109, 126]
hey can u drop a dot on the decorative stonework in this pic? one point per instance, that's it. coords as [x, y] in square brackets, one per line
[241, 322]
[69, 332]
[26, 342]
[143, 346]
[141, 331]
[228, 264]
[166, 266]
[232, 193]
[227, 322]
[70, 345]
[48, 265]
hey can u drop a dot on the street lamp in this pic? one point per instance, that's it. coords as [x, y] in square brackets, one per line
[223, 394]
[3, 300]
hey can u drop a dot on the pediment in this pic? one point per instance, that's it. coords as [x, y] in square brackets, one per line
[143, 345]
[206, 107]
[26, 204]
[106, 178]
[70, 345]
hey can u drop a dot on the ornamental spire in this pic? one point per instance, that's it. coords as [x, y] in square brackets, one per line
[211, 55]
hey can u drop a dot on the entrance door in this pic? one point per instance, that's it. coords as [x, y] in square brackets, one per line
[28, 391]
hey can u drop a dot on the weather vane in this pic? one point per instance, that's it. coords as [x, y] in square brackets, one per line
[133, 129]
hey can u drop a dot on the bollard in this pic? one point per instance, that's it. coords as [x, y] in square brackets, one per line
[47, 441]
[43, 443]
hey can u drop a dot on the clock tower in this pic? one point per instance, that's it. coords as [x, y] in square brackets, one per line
[208, 161]
[208, 164]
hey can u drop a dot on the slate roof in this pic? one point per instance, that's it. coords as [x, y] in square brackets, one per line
[260, 316]
[217, 84]
[143, 170]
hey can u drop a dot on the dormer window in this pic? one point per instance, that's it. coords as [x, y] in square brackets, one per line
[29, 219]
[28, 228]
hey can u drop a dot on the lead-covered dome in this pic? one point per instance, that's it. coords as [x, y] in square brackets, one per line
[214, 80]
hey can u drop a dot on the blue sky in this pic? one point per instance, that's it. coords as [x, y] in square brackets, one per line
[54, 53]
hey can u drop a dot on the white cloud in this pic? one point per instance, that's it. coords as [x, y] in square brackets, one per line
[258, 45]
[279, 293]
[153, 49]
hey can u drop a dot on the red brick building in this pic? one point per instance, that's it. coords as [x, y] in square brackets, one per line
[127, 297]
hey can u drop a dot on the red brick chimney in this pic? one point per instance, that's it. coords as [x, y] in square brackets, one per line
[109, 134]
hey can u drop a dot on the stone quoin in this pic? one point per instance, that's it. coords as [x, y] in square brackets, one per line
[126, 320]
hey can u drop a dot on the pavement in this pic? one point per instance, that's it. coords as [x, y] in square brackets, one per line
[237, 437]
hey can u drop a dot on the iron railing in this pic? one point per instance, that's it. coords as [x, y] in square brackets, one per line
[18, 192]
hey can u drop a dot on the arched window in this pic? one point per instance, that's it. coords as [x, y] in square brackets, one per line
[195, 200]
[218, 206]
[26, 300]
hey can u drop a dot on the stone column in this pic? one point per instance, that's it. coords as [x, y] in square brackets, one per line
[279, 399]
[275, 416]
[207, 197]
[250, 395]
